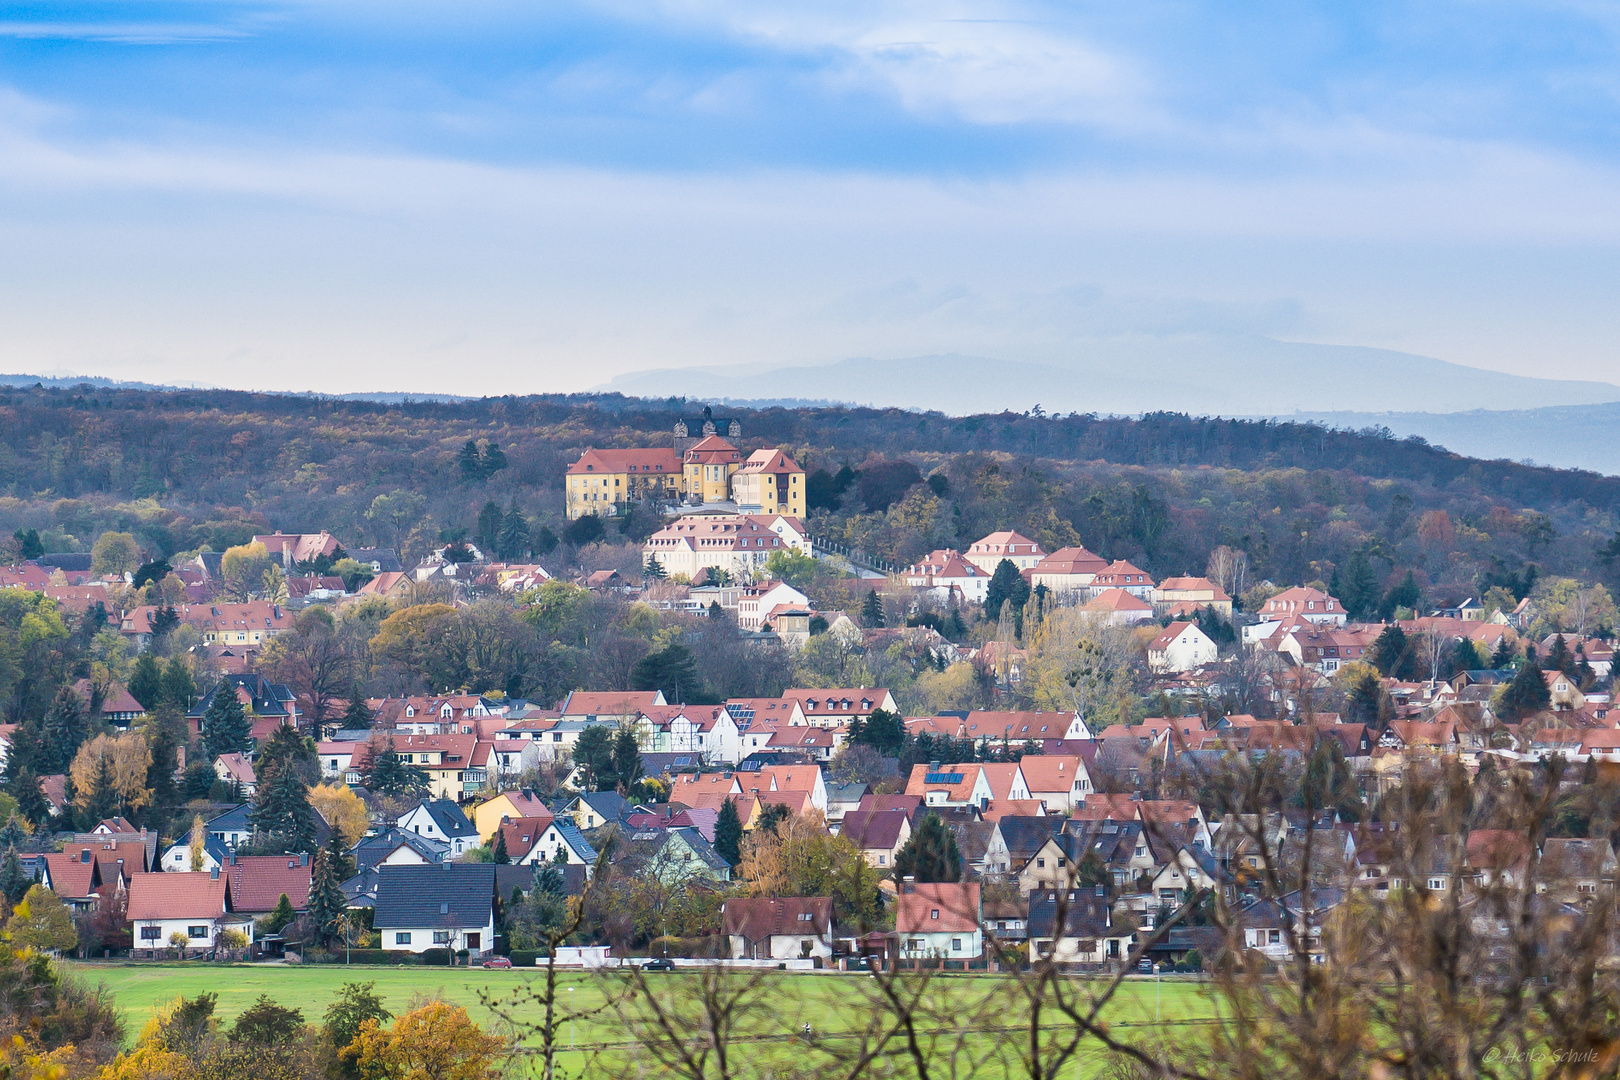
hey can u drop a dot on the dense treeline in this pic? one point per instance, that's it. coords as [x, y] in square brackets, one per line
[190, 469]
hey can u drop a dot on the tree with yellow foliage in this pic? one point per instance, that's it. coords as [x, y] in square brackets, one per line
[112, 768]
[437, 1041]
[342, 809]
[41, 922]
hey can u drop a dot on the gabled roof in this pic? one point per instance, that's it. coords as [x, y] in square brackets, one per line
[1074, 561]
[610, 703]
[1025, 835]
[1085, 913]
[1118, 600]
[875, 831]
[448, 896]
[654, 460]
[372, 850]
[1056, 773]
[72, 877]
[190, 895]
[574, 839]
[258, 882]
[521, 835]
[448, 817]
[947, 907]
[769, 461]
[758, 918]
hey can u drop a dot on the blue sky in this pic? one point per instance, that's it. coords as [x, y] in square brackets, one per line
[492, 197]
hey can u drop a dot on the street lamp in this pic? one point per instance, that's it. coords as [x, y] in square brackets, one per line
[571, 990]
[1155, 993]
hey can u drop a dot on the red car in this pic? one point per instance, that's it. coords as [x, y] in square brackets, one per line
[498, 962]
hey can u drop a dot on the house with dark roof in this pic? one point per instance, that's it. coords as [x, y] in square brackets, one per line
[595, 809]
[396, 847]
[441, 819]
[1075, 926]
[447, 906]
[778, 928]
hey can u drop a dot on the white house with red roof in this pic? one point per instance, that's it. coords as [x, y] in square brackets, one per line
[1181, 646]
[289, 549]
[947, 573]
[1306, 603]
[1017, 549]
[739, 544]
[1067, 572]
[1120, 574]
[758, 600]
[705, 730]
[1116, 607]
[1185, 595]
[839, 706]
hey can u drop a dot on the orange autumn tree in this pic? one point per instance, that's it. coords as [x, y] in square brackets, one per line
[437, 1041]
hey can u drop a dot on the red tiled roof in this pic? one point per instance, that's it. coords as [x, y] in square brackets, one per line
[757, 918]
[937, 907]
[178, 896]
[259, 881]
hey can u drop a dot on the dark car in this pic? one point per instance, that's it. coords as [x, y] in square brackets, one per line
[658, 965]
[498, 962]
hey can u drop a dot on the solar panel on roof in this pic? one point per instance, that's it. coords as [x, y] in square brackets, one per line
[942, 778]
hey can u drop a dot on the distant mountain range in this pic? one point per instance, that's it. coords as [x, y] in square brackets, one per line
[67, 382]
[1203, 375]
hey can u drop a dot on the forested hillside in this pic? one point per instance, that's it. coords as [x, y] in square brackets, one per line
[190, 469]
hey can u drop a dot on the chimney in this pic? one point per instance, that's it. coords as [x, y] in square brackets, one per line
[908, 884]
[213, 874]
[303, 858]
[85, 856]
[933, 766]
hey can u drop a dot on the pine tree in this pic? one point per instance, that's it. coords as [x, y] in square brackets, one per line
[1558, 657]
[226, 727]
[500, 856]
[1358, 590]
[281, 917]
[146, 681]
[492, 461]
[872, 611]
[472, 470]
[672, 669]
[1502, 658]
[63, 731]
[105, 802]
[1526, 694]
[1389, 651]
[281, 817]
[358, 717]
[388, 775]
[163, 738]
[31, 801]
[1006, 586]
[12, 833]
[179, 688]
[1405, 595]
[14, 883]
[931, 854]
[728, 833]
[653, 570]
[327, 905]
[513, 540]
[489, 526]
[626, 758]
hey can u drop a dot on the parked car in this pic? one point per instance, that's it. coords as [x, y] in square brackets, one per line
[1144, 967]
[498, 962]
[660, 964]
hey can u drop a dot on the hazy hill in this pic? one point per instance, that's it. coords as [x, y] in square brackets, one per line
[1210, 376]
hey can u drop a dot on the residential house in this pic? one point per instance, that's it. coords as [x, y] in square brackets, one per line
[237, 770]
[1017, 549]
[948, 575]
[75, 877]
[1186, 595]
[522, 838]
[1012, 727]
[457, 766]
[1574, 871]
[879, 836]
[1305, 602]
[1016, 839]
[196, 906]
[1076, 926]
[337, 759]
[396, 847]
[677, 856]
[231, 828]
[1116, 607]
[755, 601]
[772, 928]
[616, 707]
[840, 706]
[251, 623]
[595, 809]
[258, 882]
[782, 778]
[604, 482]
[115, 706]
[739, 544]
[447, 906]
[1068, 573]
[518, 803]
[290, 549]
[1181, 646]
[938, 920]
[1058, 781]
[266, 703]
[443, 820]
[562, 842]
[1121, 575]
[979, 785]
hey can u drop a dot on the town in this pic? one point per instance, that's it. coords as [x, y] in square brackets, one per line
[302, 751]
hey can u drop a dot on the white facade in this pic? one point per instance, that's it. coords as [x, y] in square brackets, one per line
[1187, 650]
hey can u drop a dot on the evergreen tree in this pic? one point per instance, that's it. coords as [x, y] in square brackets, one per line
[1526, 694]
[872, 611]
[488, 531]
[14, 884]
[626, 758]
[226, 727]
[146, 681]
[1358, 589]
[31, 801]
[1464, 657]
[1389, 651]
[544, 542]
[716, 612]
[1503, 656]
[883, 731]
[65, 728]
[327, 905]
[388, 775]
[281, 817]
[29, 545]
[281, 917]
[179, 688]
[105, 802]
[287, 749]
[931, 854]
[164, 739]
[593, 751]
[358, 716]
[513, 540]
[492, 461]
[728, 832]
[1007, 585]
[672, 669]
[1405, 595]
[468, 462]
[343, 867]
[1558, 657]
[12, 833]
[499, 855]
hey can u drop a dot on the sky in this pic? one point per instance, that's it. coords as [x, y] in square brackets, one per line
[494, 197]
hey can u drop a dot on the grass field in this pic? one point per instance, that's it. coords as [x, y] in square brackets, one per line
[830, 1003]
